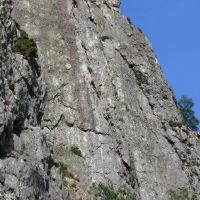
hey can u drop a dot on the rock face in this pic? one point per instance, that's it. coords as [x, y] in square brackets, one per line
[95, 87]
[27, 168]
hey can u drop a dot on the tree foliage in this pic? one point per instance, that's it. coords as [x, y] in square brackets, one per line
[186, 107]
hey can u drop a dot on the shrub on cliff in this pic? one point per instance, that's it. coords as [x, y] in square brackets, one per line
[108, 193]
[181, 194]
[186, 108]
[25, 46]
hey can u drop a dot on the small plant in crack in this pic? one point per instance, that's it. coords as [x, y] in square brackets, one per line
[75, 150]
[63, 168]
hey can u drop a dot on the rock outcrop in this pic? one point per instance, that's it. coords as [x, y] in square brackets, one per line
[91, 109]
[27, 168]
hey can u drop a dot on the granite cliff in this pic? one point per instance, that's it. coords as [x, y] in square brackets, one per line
[86, 107]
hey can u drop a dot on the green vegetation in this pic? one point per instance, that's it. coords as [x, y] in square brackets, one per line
[186, 108]
[181, 114]
[63, 168]
[176, 124]
[23, 34]
[25, 46]
[75, 150]
[108, 193]
[182, 194]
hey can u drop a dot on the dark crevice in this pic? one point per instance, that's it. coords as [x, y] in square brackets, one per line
[6, 141]
[38, 181]
[170, 141]
[29, 87]
[90, 70]
[50, 162]
[2, 179]
[57, 123]
[34, 65]
[91, 130]
[18, 125]
[39, 117]
[130, 175]
[93, 85]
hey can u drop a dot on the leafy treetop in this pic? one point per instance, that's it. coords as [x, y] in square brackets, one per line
[186, 107]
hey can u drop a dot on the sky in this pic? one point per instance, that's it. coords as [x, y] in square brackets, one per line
[173, 29]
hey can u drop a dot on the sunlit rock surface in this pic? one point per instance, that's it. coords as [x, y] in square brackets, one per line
[95, 85]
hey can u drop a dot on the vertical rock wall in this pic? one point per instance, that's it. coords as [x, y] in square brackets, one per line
[101, 89]
[27, 168]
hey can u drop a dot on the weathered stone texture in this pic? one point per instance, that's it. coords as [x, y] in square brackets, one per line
[97, 85]
[27, 168]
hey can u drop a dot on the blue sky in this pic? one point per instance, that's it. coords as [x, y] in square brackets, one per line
[173, 28]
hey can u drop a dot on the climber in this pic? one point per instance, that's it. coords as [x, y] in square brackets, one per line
[74, 3]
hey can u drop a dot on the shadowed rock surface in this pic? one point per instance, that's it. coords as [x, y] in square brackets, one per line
[97, 86]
